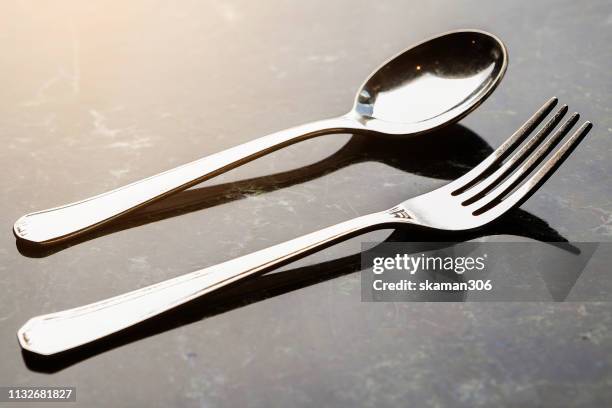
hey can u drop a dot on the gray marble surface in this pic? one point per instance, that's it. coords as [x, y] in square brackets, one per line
[98, 94]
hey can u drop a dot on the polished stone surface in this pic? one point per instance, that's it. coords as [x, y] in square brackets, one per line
[98, 94]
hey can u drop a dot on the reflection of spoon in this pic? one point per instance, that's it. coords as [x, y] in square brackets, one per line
[423, 88]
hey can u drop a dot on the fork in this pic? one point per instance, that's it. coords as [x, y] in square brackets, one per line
[502, 181]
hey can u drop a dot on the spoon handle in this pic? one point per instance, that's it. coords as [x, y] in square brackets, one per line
[57, 332]
[56, 224]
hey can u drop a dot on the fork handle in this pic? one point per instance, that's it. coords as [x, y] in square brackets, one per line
[56, 332]
[60, 223]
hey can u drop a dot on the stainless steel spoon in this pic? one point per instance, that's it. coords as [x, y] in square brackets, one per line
[425, 87]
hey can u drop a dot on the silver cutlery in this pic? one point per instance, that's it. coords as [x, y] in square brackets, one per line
[427, 86]
[502, 181]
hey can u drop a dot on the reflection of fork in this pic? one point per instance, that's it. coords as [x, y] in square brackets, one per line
[501, 182]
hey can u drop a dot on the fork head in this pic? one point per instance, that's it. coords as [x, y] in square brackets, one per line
[505, 179]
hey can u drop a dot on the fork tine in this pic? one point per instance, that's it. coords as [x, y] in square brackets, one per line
[496, 196]
[529, 187]
[506, 168]
[488, 165]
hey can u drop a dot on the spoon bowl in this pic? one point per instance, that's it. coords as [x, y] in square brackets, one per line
[432, 84]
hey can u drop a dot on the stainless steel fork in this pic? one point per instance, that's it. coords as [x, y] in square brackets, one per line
[502, 181]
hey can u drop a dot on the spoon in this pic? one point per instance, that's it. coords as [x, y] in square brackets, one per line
[425, 87]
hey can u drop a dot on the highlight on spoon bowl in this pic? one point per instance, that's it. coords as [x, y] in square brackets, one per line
[432, 83]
